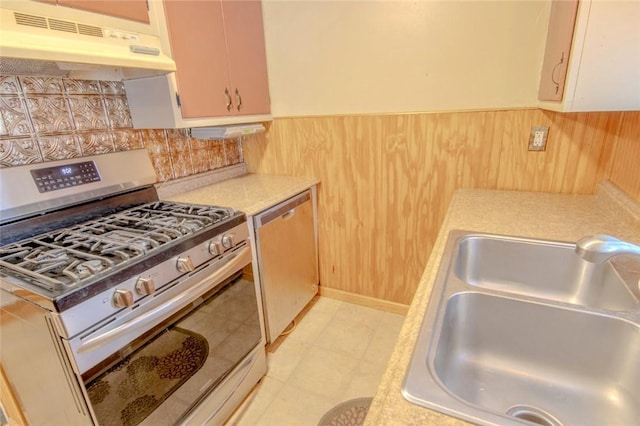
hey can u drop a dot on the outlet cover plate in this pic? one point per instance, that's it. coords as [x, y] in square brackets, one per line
[538, 138]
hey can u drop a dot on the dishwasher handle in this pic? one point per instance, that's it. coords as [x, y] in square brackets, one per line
[283, 210]
[289, 214]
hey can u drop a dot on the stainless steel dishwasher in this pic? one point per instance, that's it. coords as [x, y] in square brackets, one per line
[287, 260]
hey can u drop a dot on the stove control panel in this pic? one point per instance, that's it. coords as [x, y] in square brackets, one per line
[219, 245]
[185, 264]
[227, 241]
[145, 285]
[65, 176]
[122, 298]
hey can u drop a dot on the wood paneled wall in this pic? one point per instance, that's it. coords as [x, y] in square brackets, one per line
[623, 165]
[386, 180]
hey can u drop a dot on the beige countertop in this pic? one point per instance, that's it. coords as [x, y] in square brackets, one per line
[250, 193]
[539, 215]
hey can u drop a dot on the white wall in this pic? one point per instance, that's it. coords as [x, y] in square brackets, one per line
[340, 57]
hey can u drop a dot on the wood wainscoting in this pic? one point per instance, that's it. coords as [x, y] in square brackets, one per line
[386, 180]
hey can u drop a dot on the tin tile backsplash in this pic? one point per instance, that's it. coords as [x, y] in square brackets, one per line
[45, 119]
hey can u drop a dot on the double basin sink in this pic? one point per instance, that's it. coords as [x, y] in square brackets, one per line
[522, 331]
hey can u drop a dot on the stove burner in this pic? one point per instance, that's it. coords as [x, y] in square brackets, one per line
[47, 259]
[76, 255]
[78, 270]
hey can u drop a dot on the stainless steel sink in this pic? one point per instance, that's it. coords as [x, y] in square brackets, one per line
[544, 269]
[522, 331]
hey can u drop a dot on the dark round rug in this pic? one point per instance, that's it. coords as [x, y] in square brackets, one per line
[347, 413]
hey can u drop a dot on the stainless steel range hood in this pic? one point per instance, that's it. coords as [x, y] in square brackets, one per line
[42, 39]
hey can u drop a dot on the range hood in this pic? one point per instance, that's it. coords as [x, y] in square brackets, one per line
[49, 40]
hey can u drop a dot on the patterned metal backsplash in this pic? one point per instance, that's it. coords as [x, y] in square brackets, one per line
[45, 119]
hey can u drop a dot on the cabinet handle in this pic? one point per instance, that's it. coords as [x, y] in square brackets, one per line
[229, 101]
[239, 99]
[554, 71]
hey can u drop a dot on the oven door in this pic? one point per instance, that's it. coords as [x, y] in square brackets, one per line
[94, 347]
[197, 346]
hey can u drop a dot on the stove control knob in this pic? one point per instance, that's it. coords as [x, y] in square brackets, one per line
[145, 285]
[214, 247]
[122, 298]
[227, 241]
[185, 264]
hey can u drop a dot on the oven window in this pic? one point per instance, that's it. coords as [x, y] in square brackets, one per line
[168, 375]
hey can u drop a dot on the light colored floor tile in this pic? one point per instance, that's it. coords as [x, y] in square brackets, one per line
[256, 404]
[324, 372]
[383, 341]
[392, 321]
[326, 305]
[338, 351]
[296, 407]
[356, 314]
[365, 381]
[350, 339]
[310, 327]
[284, 359]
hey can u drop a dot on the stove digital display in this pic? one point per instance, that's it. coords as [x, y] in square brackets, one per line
[65, 176]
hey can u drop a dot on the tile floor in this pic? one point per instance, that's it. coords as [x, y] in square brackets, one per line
[338, 351]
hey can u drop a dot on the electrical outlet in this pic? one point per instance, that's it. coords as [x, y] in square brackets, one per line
[538, 138]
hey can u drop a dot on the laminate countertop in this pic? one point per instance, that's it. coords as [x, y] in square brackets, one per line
[249, 193]
[527, 214]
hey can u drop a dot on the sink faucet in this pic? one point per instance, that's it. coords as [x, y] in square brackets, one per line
[599, 248]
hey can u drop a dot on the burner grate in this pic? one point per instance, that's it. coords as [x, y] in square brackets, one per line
[78, 254]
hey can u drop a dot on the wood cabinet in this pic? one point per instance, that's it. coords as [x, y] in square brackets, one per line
[221, 75]
[556, 56]
[133, 10]
[592, 57]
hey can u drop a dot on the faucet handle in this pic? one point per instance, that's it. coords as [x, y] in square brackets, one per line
[598, 243]
[599, 248]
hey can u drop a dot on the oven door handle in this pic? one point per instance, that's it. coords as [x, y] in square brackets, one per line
[169, 307]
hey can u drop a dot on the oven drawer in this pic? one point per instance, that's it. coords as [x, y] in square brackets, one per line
[216, 408]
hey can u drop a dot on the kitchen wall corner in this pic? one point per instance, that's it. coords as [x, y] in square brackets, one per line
[387, 179]
[45, 119]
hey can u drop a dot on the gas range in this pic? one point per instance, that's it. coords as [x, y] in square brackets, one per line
[82, 227]
[72, 264]
[95, 269]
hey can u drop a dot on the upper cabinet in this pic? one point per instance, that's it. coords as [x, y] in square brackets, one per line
[133, 10]
[221, 76]
[592, 57]
[556, 55]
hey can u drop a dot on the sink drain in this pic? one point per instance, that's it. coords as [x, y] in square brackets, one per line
[533, 415]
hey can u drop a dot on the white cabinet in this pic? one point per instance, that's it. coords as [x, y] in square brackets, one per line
[221, 76]
[603, 65]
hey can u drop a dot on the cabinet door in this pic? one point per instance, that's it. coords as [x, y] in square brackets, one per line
[196, 35]
[133, 10]
[559, 37]
[246, 55]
